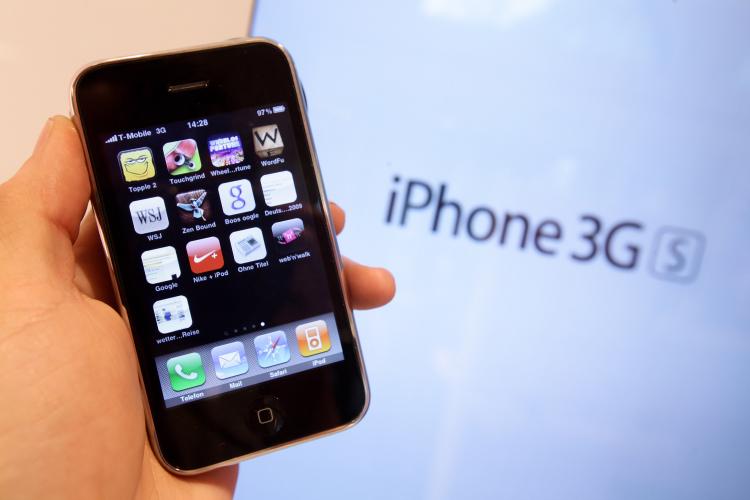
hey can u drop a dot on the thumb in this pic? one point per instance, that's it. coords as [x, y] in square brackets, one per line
[43, 205]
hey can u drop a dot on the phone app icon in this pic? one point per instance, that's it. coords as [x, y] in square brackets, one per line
[186, 371]
[247, 245]
[272, 349]
[137, 164]
[160, 265]
[267, 141]
[149, 215]
[278, 188]
[205, 255]
[225, 150]
[172, 314]
[288, 234]
[312, 338]
[182, 157]
[236, 197]
[193, 206]
[230, 360]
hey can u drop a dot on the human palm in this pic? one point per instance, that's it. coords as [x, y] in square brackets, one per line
[73, 419]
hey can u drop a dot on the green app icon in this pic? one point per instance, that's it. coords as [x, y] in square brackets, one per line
[186, 372]
[182, 157]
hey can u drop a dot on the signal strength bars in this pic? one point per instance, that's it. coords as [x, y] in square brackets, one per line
[111, 139]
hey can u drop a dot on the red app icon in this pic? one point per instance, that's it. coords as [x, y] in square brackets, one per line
[205, 255]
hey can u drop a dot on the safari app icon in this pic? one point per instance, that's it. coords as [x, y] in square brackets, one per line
[272, 349]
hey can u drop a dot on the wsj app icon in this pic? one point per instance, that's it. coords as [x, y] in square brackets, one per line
[172, 314]
[677, 254]
[236, 197]
[312, 338]
[149, 215]
[230, 360]
[137, 164]
[267, 141]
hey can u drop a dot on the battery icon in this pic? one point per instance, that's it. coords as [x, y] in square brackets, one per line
[279, 109]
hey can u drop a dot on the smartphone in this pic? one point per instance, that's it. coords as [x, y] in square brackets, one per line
[214, 219]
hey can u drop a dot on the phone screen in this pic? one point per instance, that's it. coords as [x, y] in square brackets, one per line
[222, 250]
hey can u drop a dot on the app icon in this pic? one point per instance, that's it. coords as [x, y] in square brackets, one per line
[225, 150]
[229, 360]
[267, 141]
[193, 206]
[205, 255]
[172, 314]
[288, 233]
[182, 157]
[272, 349]
[160, 265]
[677, 254]
[186, 371]
[236, 197]
[149, 215]
[137, 164]
[247, 245]
[312, 338]
[278, 188]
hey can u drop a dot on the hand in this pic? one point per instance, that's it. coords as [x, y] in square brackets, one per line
[72, 423]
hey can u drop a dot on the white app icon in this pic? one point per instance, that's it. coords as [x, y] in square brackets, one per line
[267, 141]
[149, 215]
[247, 245]
[236, 197]
[172, 314]
[160, 264]
[278, 188]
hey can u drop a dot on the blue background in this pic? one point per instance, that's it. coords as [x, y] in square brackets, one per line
[505, 373]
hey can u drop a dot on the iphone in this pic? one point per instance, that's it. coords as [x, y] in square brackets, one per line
[213, 215]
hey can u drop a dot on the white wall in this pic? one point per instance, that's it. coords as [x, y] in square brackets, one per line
[43, 44]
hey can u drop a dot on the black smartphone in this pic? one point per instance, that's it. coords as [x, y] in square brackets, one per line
[215, 222]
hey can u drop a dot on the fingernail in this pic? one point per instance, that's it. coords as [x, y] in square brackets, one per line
[43, 136]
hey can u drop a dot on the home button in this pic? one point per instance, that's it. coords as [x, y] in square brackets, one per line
[266, 415]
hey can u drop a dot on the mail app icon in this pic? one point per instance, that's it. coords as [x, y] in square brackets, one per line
[229, 360]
